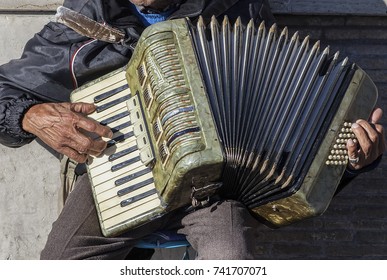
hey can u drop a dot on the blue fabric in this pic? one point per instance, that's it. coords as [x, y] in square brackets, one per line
[151, 18]
[163, 239]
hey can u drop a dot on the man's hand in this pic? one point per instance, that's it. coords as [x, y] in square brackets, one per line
[66, 128]
[371, 143]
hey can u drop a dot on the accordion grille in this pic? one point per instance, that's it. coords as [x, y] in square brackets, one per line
[167, 98]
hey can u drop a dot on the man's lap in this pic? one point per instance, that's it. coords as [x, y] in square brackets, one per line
[223, 230]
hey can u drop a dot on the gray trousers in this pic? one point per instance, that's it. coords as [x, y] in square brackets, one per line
[224, 230]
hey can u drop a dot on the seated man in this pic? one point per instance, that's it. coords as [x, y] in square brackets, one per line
[34, 102]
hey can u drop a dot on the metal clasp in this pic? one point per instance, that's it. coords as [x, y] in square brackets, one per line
[201, 195]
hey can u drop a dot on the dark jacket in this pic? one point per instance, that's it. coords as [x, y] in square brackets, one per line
[57, 59]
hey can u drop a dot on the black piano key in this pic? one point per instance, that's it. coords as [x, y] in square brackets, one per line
[120, 127]
[124, 164]
[131, 177]
[115, 118]
[136, 198]
[119, 138]
[110, 93]
[122, 153]
[180, 133]
[134, 187]
[112, 103]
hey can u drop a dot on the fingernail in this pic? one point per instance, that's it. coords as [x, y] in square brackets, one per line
[354, 126]
[350, 142]
[106, 139]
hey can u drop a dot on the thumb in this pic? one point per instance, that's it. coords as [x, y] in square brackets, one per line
[376, 115]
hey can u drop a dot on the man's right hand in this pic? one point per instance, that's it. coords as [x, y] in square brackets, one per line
[66, 128]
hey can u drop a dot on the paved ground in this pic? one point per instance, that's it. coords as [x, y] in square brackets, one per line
[28, 175]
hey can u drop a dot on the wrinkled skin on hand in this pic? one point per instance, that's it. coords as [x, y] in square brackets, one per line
[371, 141]
[66, 128]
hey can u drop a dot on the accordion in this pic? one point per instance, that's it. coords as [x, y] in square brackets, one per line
[225, 109]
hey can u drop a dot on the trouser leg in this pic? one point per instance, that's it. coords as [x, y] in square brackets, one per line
[224, 230]
[77, 235]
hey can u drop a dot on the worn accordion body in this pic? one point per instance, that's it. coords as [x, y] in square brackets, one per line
[239, 112]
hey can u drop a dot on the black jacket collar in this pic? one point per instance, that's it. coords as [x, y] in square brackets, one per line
[206, 8]
[118, 12]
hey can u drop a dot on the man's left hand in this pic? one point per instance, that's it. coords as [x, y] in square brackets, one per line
[371, 143]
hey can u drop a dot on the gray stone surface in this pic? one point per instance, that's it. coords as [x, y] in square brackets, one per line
[28, 200]
[29, 176]
[15, 30]
[32, 5]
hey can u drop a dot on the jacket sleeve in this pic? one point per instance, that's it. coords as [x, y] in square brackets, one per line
[40, 75]
[349, 175]
[48, 72]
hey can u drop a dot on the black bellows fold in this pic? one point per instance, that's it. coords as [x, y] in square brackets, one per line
[271, 98]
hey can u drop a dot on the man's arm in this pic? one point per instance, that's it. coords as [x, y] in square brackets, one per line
[40, 75]
[32, 91]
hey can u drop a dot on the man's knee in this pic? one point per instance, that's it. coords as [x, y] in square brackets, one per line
[224, 230]
[236, 250]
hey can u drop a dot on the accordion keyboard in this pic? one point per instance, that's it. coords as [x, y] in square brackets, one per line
[123, 186]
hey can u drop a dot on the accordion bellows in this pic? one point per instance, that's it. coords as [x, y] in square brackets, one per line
[241, 112]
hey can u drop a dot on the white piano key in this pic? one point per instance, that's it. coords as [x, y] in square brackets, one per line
[87, 94]
[112, 192]
[99, 117]
[109, 181]
[107, 166]
[104, 157]
[117, 216]
[113, 207]
[116, 200]
[103, 116]
[106, 180]
[124, 120]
